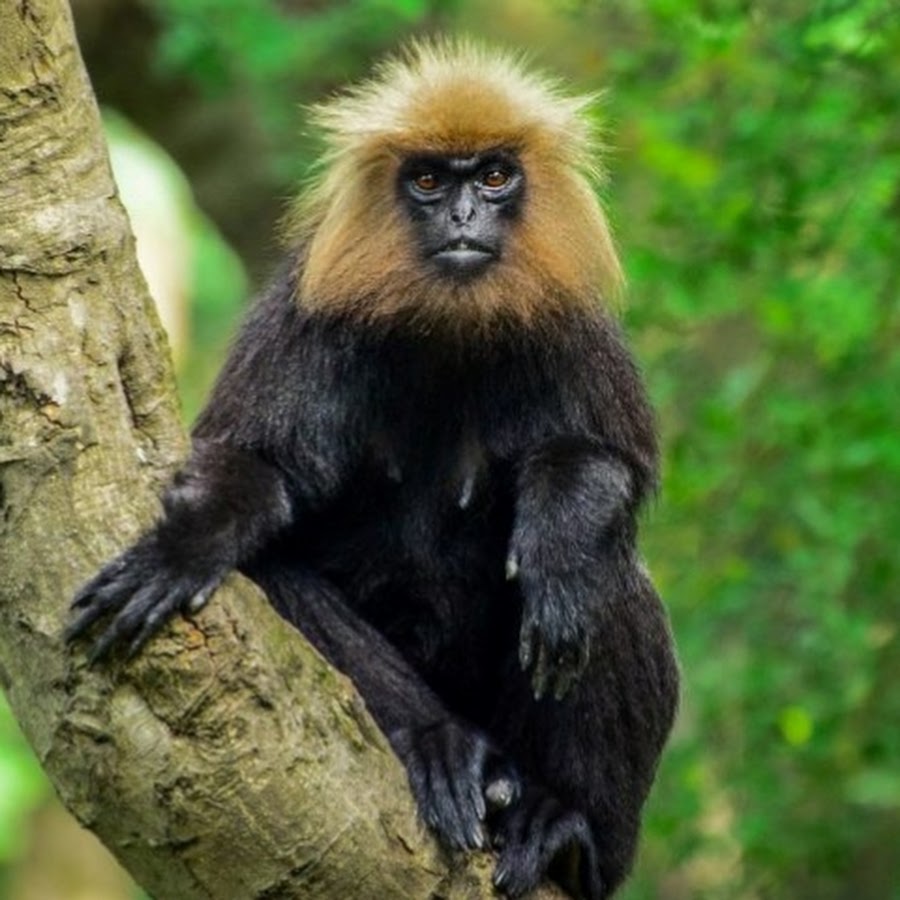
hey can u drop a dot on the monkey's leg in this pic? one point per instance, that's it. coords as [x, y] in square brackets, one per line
[453, 767]
[588, 760]
[568, 823]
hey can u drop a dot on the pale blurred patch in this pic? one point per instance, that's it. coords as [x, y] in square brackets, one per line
[66, 862]
[161, 208]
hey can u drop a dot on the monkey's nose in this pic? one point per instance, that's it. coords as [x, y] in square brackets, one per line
[463, 210]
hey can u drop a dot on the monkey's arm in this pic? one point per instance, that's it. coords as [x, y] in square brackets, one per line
[573, 529]
[219, 510]
[578, 491]
[264, 452]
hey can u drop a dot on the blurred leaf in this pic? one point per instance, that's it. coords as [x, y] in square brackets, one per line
[875, 787]
[23, 785]
[796, 725]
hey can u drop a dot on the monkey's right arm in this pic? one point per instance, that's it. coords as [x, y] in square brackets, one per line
[219, 510]
[256, 465]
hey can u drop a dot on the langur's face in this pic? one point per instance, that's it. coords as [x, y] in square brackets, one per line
[462, 207]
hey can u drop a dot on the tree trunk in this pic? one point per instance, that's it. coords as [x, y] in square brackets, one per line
[229, 760]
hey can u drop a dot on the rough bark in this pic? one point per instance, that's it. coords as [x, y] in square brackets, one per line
[229, 760]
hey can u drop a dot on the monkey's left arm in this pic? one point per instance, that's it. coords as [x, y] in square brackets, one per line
[573, 510]
[574, 532]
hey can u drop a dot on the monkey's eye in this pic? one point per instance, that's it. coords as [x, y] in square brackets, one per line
[427, 181]
[495, 178]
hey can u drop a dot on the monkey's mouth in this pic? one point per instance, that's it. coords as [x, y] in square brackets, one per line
[464, 255]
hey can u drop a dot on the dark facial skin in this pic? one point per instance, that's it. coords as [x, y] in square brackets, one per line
[462, 207]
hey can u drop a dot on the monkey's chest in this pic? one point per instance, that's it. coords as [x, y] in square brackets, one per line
[428, 519]
[426, 508]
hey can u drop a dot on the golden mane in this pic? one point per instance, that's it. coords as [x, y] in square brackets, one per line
[359, 255]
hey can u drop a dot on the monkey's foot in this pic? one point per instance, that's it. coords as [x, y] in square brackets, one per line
[456, 775]
[538, 834]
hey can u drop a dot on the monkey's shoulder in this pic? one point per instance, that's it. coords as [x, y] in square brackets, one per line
[567, 376]
[329, 383]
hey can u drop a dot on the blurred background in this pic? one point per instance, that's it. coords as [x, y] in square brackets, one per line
[754, 155]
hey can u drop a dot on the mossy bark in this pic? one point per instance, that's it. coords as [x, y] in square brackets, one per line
[229, 760]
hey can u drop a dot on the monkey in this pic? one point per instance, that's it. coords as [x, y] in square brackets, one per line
[429, 446]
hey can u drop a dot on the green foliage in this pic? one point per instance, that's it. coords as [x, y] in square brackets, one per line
[23, 787]
[279, 58]
[757, 192]
[223, 42]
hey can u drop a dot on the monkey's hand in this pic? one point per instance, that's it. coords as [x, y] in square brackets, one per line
[554, 639]
[144, 587]
[538, 831]
[457, 778]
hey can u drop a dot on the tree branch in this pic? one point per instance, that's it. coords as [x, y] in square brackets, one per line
[229, 760]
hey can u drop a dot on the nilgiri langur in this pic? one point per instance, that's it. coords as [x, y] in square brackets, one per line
[429, 446]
